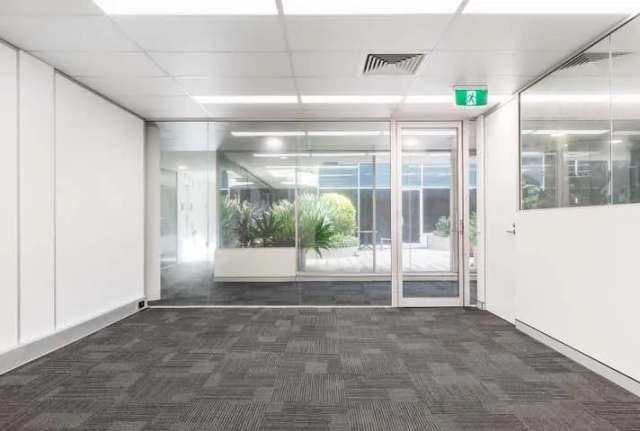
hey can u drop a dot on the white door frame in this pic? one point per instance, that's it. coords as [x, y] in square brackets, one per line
[397, 273]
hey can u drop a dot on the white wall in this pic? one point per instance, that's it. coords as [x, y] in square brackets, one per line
[9, 196]
[99, 205]
[36, 199]
[574, 270]
[71, 219]
[577, 280]
[500, 205]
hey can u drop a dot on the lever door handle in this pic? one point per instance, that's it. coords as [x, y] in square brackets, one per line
[512, 231]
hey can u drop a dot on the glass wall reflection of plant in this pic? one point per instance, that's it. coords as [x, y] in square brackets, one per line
[324, 222]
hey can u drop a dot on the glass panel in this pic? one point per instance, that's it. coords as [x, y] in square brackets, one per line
[168, 217]
[187, 184]
[472, 231]
[565, 127]
[292, 207]
[625, 105]
[343, 199]
[429, 244]
[257, 179]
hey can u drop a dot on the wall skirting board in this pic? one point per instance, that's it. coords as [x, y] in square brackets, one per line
[615, 376]
[28, 352]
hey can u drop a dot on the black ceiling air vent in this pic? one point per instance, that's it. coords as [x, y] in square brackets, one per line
[589, 57]
[392, 64]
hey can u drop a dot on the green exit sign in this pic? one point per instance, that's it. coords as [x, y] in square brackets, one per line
[471, 96]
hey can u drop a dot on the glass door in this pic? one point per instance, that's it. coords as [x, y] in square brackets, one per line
[429, 208]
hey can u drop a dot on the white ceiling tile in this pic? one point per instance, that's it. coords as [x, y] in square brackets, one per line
[115, 87]
[224, 64]
[238, 86]
[63, 33]
[328, 63]
[254, 112]
[348, 111]
[439, 112]
[406, 33]
[197, 33]
[84, 63]
[470, 64]
[162, 106]
[524, 32]
[49, 7]
[364, 85]
[626, 39]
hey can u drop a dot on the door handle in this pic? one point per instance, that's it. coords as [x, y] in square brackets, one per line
[512, 231]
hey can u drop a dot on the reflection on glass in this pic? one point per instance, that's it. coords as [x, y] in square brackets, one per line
[428, 190]
[472, 208]
[256, 177]
[429, 242]
[322, 188]
[625, 106]
[187, 188]
[565, 135]
[168, 217]
[343, 178]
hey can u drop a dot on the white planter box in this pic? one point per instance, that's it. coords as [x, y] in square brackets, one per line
[436, 242]
[333, 253]
[255, 262]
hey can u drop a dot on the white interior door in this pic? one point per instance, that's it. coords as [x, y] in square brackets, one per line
[500, 206]
[428, 199]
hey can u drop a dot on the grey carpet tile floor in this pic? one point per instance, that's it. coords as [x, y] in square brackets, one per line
[194, 284]
[311, 369]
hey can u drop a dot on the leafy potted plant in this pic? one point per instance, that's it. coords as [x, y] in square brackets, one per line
[440, 240]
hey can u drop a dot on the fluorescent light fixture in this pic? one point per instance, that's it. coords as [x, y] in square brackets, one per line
[428, 99]
[351, 99]
[267, 134]
[448, 99]
[188, 7]
[564, 132]
[240, 183]
[347, 133]
[369, 7]
[244, 100]
[274, 143]
[616, 141]
[580, 98]
[565, 98]
[326, 155]
[626, 98]
[411, 142]
[627, 132]
[312, 167]
[433, 132]
[183, 168]
[275, 155]
[540, 7]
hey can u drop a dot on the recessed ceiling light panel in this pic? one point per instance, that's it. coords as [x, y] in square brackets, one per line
[276, 134]
[369, 7]
[244, 100]
[552, 7]
[351, 99]
[188, 7]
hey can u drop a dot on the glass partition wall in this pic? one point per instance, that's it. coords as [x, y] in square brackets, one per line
[580, 128]
[300, 213]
